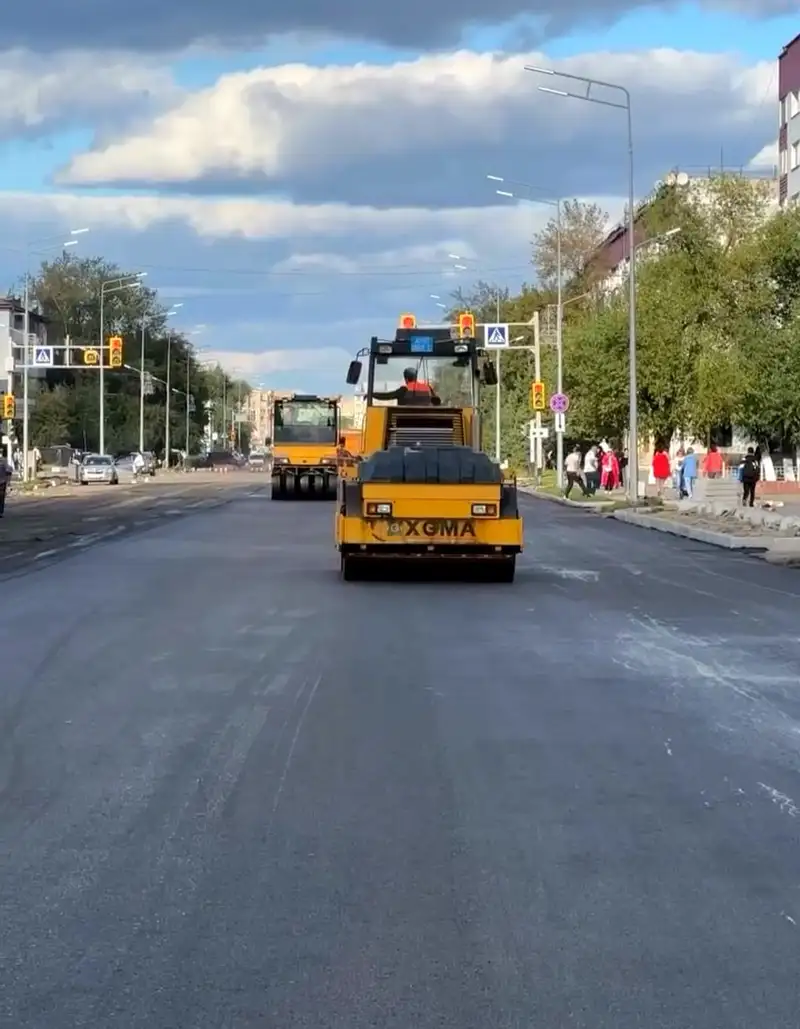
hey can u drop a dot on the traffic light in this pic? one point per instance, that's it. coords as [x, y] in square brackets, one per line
[538, 396]
[115, 347]
[9, 406]
[408, 321]
[466, 325]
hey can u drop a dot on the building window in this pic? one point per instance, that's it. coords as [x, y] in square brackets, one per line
[784, 159]
[794, 104]
[793, 200]
[783, 111]
[795, 155]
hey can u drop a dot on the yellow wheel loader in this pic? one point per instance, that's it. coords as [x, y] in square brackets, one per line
[424, 490]
[305, 439]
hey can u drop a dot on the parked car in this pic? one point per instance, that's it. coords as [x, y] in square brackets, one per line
[98, 468]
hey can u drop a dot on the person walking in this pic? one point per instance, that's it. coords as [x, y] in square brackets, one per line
[572, 467]
[712, 463]
[689, 472]
[661, 469]
[749, 474]
[591, 471]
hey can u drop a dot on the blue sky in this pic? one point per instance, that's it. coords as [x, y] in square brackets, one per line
[298, 196]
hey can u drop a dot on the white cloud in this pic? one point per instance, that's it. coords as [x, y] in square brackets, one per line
[291, 123]
[766, 158]
[318, 361]
[478, 228]
[42, 93]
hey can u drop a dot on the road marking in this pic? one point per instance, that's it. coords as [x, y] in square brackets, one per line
[9, 557]
[84, 541]
[48, 553]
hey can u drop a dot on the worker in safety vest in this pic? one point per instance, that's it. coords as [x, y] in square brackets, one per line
[413, 391]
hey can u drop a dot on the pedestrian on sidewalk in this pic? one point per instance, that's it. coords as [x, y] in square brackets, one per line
[661, 468]
[591, 470]
[689, 472]
[572, 466]
[712, 463]
[6, 475]
[609, 479]
[749, 474]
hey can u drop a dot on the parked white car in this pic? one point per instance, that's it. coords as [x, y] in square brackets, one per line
[98, 468]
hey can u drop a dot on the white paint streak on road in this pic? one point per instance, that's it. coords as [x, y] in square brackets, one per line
[786, 804]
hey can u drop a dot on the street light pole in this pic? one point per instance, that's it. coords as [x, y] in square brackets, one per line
[560, 305]
[106, 287]
[633, 407]
[141, 387]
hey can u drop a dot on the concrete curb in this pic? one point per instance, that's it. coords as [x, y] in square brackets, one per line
[597, 505]
[693, 532]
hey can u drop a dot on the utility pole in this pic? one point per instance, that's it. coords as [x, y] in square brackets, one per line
[166, 413]
[188, 398]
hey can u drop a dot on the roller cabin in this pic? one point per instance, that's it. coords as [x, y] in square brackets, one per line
[425, 491]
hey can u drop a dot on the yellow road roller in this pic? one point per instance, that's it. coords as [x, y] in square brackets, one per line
[305, 438]
[424, 490]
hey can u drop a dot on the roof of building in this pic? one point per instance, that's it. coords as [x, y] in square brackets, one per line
[15, 305]
[789, 46]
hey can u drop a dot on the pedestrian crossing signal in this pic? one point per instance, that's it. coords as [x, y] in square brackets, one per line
[408, 321]
[9, 406]
[538, 396]
[115, 347]
[466, 325]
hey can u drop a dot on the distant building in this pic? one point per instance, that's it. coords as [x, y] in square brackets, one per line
[789, 122]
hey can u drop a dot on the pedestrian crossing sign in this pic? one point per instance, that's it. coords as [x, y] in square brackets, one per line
[495, 336]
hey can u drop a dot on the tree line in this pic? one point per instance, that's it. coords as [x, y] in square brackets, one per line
[718, 336]
[67, 293]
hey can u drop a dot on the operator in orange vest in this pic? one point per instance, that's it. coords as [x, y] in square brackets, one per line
[413, 391]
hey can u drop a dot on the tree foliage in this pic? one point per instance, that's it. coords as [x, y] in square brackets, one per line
[68, 294]
[718, 320]
[583, 228]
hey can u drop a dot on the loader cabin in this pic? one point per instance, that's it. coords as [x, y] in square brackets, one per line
[422, 389]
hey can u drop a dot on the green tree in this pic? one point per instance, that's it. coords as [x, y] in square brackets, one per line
[68, 292]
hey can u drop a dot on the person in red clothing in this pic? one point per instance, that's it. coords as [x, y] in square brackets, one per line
[712, 463]
[661, 469]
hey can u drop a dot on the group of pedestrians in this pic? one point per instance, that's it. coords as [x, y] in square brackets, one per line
[684, 471]
[600, 468]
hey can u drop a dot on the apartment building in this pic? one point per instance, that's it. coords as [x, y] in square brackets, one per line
[12, 323]
[789, 122]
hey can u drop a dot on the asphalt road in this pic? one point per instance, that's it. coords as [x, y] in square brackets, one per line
[40, 526]
[236, 792]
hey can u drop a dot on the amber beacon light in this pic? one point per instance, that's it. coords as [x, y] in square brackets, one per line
[408, 321]
[466, 325]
